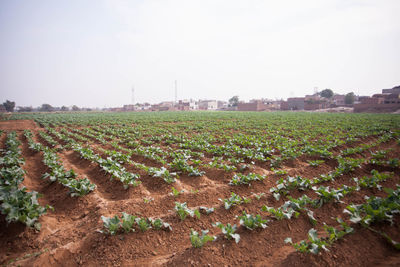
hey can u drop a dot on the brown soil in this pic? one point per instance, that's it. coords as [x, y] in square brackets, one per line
[70, 237]
[15, 125]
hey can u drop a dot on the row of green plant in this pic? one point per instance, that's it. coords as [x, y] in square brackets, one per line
[179, 164]
[57, 172]
[374, 210]
[284, 186]
[316, 244]
[50, 140]
[127, 223]
[108, 165]
[17, 203]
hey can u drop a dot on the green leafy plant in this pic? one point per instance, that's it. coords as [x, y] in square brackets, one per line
[335, 234]
[279, 172]
[159, 224]
[252, 222]
[206, 210]
[313, 245]
[127, 222]
[229, 231]
[285, 185]
[258, 196]
[16, 203]
[315, 163]
[200, 240]
[234, 200]
[239, 178]
[144, 224]
[111, 225]
[325, 194]
[165, 174]
[182, 210]
[375, 209]
[374, 180]
[176, 192]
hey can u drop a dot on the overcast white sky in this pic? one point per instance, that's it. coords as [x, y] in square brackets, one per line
[91, 52]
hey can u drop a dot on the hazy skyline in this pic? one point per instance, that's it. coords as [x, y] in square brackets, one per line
[91, 52]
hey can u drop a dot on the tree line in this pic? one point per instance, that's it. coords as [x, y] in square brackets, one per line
[9, 106]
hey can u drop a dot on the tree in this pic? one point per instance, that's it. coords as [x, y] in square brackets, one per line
[233, 102]
[349, 98]
[9, 105]
[64, 108]
[46, 108]
[75, 108]
[25, 109]
[327, 93]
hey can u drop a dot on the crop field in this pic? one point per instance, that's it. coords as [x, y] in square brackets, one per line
[200, 188]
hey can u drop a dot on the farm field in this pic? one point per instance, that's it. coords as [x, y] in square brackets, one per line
[271, 189]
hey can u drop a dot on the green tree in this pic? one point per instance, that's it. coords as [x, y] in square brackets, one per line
[9, 105]
[64, 108]
[233, 102]
[75, 108]
[25, 109]
[349, 98]
[46, 108]
[327, 93]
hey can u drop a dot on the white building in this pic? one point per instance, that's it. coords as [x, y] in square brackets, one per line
[208, 105]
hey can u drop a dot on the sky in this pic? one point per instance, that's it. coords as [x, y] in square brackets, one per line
[91, 53]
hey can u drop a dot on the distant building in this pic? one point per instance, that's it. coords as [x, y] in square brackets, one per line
[294, 103]
[394, 90]
[129, 107]
[393, 98]
[315, 102]
[316, 106]
[168, 104]
[271, 104]
[312, 98]
[373, 100]
[183, 106]
[359, 99]
[255, 105]
[208, 105]
[193, 105]
[222, 104]
[339, 100]
[113, 109]
[387, 101]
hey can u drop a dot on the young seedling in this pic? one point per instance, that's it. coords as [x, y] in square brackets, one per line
[252, 222]
[199, 240]
[143, 223]
[111, 224]
[229, 231]
[159, 224]
[234, 200]
[182, 210]
[127, 222]
[315, 163]
[314, 244]
[176, 192]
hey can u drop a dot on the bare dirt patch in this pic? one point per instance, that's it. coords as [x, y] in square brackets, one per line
[18, 125]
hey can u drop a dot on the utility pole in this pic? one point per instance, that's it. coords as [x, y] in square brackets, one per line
[133, 95]
[176, 92]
